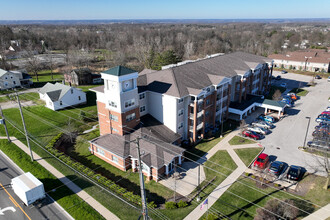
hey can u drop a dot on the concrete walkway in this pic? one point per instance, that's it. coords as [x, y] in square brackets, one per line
[76, 189]
[322, 213]
[90, 130]
[219, 190]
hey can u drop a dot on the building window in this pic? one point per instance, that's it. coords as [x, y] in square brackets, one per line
[129, 103]
[100, 151]
[180, 112]
[114, 117]
[112, 104]
[114, 159]
[142, 109]
[207, 101]
[207, 113]
[79, 98]
[180, 100]
[142, 95]
[14, 82]
[6, 77]
[180, 126]
[130, 117]
[60, 102]
[71, 91]
[114, 129]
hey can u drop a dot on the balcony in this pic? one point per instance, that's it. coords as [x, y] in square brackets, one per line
[191, 128]
[200, 126]
[199, 114]
[191, 116]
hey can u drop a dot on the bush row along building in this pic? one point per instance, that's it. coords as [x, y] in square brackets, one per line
[179, 103]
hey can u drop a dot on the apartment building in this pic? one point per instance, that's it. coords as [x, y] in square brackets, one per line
[181, 102]
[309, 60]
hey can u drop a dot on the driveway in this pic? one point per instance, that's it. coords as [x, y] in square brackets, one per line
[289, 133]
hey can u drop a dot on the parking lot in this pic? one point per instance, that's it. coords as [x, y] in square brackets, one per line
[289, 133]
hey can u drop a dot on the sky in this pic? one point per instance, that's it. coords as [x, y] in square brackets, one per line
[161, 9]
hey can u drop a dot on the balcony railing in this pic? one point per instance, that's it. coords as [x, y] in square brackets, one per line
[191, 128]
[199, 114]
[200, 126]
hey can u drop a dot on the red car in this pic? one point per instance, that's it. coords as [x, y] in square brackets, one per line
[262, 161]
[325, 113]
[251, 134]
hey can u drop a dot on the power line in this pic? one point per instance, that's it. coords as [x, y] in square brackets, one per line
[226, 175]
[83, 175]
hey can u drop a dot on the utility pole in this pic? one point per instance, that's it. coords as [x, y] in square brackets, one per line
[143, 193]
[4, 123]
[309, 120]
[26, 134]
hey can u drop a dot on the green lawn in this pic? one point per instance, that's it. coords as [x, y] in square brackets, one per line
[237, 208]
[199, 150]
[129, 180]
[247, 154]
[44, 133]
[237, 140]
[299, 92]
[62, 195]
[32, 96]
[47, 78]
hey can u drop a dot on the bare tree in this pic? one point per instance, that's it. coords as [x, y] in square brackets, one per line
[242, 125]
[33, 63]
[279, 208]
[277, 95]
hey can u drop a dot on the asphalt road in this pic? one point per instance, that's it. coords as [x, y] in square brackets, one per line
[289, 133]
[11, 207]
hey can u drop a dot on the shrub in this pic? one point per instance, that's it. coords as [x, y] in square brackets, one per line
[152, 204]
[182, 204]
[253, 176]
[170, 205]
[247, 174]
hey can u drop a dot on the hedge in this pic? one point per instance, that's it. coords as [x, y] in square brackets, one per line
[93, 175]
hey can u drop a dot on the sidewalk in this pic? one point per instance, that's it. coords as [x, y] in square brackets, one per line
[219, 190]
[76, 189]
[322, 213]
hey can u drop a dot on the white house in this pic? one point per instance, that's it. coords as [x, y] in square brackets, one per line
[8, 80]
[58, 96]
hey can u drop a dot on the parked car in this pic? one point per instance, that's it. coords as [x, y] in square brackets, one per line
[279, 77]
[288, 97]
[284, 71]
[258, 130]
[323, 118]
[261, 124]
[277, 168]
[295, 173]
[293, 96]
[318, 144]
[267, 118]
[288, 102]
[318, 77]
[326, 113]
[251, 134]
[321, 133]
[329, 79]
[328, 108]
[322, 125]
[262, 161]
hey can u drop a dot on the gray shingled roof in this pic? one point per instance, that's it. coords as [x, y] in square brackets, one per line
[180, 80]
[82, 71]
[156, 153]
[54, 91]
[119, 71]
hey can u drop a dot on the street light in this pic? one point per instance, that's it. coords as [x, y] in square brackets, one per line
[309, 120]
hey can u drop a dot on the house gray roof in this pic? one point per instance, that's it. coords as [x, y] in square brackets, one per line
[55, 91]
[178, 81]
[156, 152]
[119, 71]
[82, 71]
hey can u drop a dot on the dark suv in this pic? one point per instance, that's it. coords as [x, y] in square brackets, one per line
[295, 173]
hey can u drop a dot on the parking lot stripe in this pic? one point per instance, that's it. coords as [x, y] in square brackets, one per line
[15, 201]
